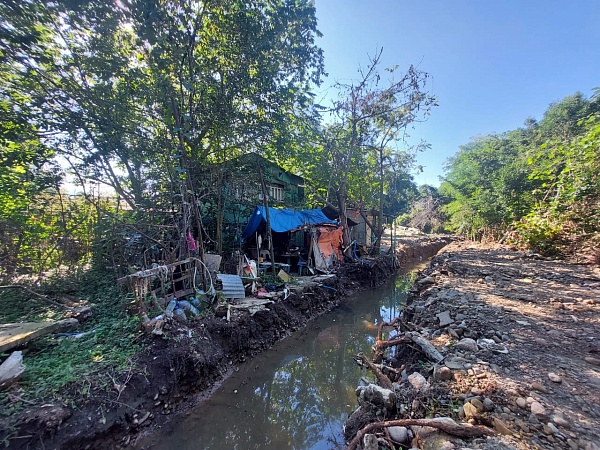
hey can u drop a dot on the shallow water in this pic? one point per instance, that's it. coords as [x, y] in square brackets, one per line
[296, 395]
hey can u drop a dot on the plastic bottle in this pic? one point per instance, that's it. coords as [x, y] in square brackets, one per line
[156, 319]
[179, 315]
[170, 307]
[188, 307]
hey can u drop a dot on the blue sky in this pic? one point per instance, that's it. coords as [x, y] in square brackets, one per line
[493, 63]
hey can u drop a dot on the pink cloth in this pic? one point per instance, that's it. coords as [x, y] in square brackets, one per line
[192, 247]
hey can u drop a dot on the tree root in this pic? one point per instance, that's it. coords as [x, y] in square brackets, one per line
[455, 429]
[382, 378]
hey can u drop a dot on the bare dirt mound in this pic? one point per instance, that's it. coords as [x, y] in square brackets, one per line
[518, 337]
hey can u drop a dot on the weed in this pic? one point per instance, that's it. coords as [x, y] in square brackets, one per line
[67, 368]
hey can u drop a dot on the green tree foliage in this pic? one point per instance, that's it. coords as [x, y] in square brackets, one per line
[541, 180]
[141, 96]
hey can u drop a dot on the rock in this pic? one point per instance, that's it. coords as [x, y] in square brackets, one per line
[572, 444]
[560, 420]
[418, 381]
[426, 281]
[593, 361]
[467, 344]
[49, 416]
[539, 387]
[442, 373]
[501, 427]
[11, 369]
[522, 425]
[444, 318]
[477, 404]
[455, 362]
[370, 442]
[470, 410]
[553, 428]
[521, 403]
[377, 396]
[452, 332]
[398, 434]
[538, 409]
[554, 377]
[488, 405]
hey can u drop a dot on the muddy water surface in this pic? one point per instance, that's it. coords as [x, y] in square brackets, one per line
[296, 395]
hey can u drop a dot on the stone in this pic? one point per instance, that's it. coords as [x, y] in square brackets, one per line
[488, 404]
[418, 381]
[377, 395]
[470, 410]
[593, 361]
[426, 281]
[538, 409]
[11, 369]
[521, 403]
[370, 442]
[522, 425]
[477, 404]
[399, 434]
[501, 427]
[452, 332]
[554, 377]
[560, 420]
[444, 318]
[552, 428]
[539, 386]
[467, 344]
[442, 373]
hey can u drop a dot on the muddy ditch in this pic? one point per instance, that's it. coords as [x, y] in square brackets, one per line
[178, 370]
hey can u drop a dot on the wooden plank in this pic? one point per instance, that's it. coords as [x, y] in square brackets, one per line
[15, 334]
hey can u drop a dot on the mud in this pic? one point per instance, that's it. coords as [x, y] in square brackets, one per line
[176, 371]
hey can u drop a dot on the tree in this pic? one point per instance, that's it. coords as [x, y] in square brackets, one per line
[371, 120]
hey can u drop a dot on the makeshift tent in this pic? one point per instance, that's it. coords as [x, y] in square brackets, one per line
[283, 220]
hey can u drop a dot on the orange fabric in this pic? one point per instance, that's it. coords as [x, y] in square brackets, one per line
[330, 240]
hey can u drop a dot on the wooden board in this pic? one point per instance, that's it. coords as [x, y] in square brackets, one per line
[15, 334]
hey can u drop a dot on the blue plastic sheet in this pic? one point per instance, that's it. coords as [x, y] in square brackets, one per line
[283, 220]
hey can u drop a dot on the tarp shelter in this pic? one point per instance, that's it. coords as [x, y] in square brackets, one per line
[283, 220]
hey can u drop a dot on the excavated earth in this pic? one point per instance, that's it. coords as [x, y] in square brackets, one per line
[180, 368]
[519, 335]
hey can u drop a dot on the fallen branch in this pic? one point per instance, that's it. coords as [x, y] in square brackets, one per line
[382, 379]
[32, 292]
[453, 428]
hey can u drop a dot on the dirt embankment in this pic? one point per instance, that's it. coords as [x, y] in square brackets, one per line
[183, 366]
[517, 364]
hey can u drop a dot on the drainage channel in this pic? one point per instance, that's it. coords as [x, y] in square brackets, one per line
[296, 395]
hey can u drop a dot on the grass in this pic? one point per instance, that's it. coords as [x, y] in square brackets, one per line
[67, 369]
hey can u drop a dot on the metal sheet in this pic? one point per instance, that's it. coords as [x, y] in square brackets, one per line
[233, 287]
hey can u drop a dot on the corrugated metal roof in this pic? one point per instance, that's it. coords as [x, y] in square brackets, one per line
[232, 285]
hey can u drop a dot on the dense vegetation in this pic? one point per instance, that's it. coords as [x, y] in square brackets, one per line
[137, 104]
[539, 183]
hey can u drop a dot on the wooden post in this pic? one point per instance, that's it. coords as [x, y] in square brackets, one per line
[267, 217]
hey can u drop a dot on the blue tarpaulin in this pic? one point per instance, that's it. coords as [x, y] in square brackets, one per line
[285, 219]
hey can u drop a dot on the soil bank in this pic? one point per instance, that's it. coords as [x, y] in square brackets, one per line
[182, 367]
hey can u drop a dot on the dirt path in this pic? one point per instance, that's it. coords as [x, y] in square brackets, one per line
[520, 339]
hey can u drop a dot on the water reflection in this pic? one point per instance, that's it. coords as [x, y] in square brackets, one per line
[295, 396]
